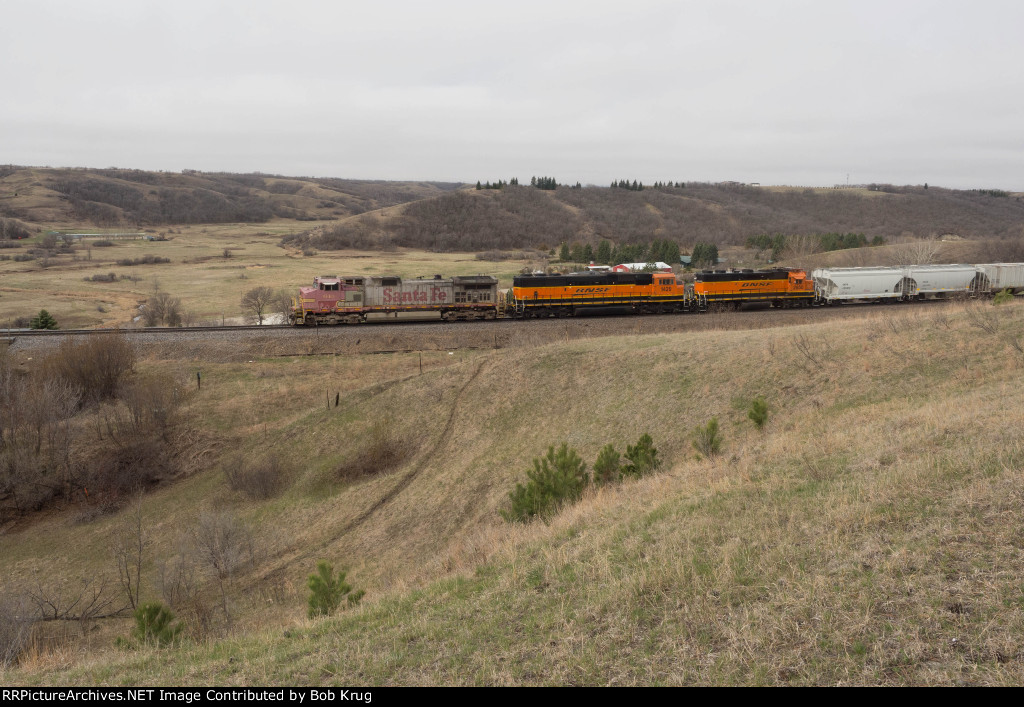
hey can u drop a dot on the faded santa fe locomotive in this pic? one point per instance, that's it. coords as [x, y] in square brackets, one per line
[350, 299]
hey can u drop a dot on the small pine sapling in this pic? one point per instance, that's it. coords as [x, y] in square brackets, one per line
[154, 625]
[556, 479]
[606, 468]
[758, 412]
[327, 590]
[707, 440]
[642, 456]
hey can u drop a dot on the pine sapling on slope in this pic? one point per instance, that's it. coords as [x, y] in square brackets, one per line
[607, 466]
[758, 412]
[153, 625]
[707, 440]
[327, 590]
[556, 479]
[643, 457]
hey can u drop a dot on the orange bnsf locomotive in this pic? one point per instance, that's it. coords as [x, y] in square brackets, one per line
[781, 287]
[564, 295]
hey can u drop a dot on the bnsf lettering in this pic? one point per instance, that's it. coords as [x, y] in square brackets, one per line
[421, 296]
[756, 284]
[591, 290]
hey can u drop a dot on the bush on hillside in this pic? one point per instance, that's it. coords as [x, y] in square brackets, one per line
[643, 458]
[707, 440]
[556, 479]
[154, 625]
[95, 367]
[758, 412]
[327, 590]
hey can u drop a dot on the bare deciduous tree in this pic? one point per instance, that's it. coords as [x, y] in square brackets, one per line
[283, 305]
[920, 251]
[85, 602]
[256, 302]
[16, 622]
[799, 247]
[129, 543]
[223, 545]
[162, 309]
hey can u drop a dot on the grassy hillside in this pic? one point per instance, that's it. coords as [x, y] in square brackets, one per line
[869, 535]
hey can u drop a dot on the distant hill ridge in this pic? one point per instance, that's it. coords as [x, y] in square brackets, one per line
[119, 197]
[449, 216]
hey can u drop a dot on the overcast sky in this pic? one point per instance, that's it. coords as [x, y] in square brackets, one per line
[776, 92]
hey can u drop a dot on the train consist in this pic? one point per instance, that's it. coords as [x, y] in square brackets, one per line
[350, 300]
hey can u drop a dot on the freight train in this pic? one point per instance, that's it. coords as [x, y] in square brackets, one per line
[351, 300]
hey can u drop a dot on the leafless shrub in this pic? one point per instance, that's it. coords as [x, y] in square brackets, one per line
[260, 480]
[382, 452]
[152, 402]
[799, 247]
[16, 624]
[95, 366]
[223, 545]
[128, 544]
[13, 229]
[282, 305]
[810, 351]
[128, 467]
[984, 317]
[181, 589]
[36, 438]
[84, 601]
[162, 310]
[144, 260]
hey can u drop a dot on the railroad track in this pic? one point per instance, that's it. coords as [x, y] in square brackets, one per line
[163, 331]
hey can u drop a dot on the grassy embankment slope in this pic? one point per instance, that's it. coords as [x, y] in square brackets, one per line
[870, 534]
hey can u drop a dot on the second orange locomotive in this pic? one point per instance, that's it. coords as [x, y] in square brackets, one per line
[657, 292]
[780, 287]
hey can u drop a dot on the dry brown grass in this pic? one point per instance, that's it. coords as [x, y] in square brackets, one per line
[868, 536]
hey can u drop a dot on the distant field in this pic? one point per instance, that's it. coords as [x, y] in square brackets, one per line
[209, 285]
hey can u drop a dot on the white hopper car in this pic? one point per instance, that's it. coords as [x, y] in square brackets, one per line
[898, 283]
[1002, 276]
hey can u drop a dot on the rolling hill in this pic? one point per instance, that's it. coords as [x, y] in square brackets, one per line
[454, 217]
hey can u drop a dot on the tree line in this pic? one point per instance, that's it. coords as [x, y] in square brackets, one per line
[780, 243]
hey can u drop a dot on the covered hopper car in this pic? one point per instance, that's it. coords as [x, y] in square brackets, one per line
[900, 283]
